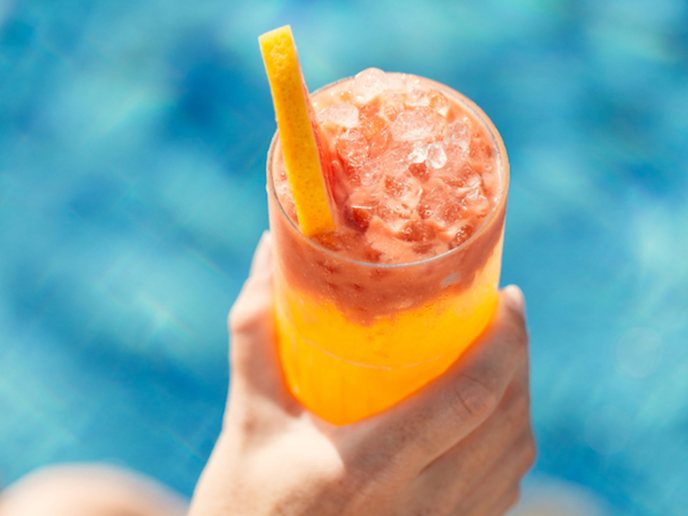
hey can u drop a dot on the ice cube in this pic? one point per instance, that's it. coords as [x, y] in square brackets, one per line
[462, 232]
[392, 105]
[474, 193]
[352, 148]
[394, 214]
[376, 130]
[368, 84]
[436, 157]
[396, 81]
[471, 180]
[477, 202]
[433, 198]
[342, 114]
[411, 83]
[393, 159]
[369, 175]
[379, 143]
[402, 194]
[417, 97]
[358, 215]
[419, 153]
[403, 188]
[458, 135]
[416, 231]
[370, 110]
[414, 124]
[451, 210]
[466, 177]
[439, 102]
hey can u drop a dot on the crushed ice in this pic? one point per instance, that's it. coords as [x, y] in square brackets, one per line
[368, 84]
[437, 157]
[342, 114]
[414, 124]
[419, 153]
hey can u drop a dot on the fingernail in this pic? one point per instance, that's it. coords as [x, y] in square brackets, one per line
[261, 257]
[515, 298]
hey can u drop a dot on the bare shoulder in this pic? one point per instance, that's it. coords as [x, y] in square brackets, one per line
[89, 490]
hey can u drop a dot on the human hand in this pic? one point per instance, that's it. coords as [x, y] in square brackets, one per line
[458, 446]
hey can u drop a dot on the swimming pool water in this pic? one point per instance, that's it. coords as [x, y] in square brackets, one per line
[132, 148]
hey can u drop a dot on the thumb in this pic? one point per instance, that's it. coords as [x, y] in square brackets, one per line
[255, 371]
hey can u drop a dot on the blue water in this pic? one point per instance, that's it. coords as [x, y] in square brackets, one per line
[132, 146]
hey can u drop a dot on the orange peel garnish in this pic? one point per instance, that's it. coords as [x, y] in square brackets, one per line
[296, 132]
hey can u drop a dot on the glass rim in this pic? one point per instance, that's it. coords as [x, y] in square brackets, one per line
[502, 162]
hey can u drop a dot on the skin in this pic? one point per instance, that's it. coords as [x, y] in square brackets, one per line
[459, 446]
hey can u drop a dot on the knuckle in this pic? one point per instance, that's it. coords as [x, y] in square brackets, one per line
[380, 452]
[473, 400]
[246, 314]
[241, 317]
[371, 472]
[245, 423]
[233, 319]
[236, 316]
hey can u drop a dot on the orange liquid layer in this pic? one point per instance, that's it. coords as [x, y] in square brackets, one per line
[343, 370]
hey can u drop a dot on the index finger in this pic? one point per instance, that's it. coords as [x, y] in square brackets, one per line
[434, 419]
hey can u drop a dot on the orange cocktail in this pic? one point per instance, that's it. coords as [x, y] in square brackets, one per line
[418, 179]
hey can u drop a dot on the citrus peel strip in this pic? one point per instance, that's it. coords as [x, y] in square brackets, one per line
[296, 132]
